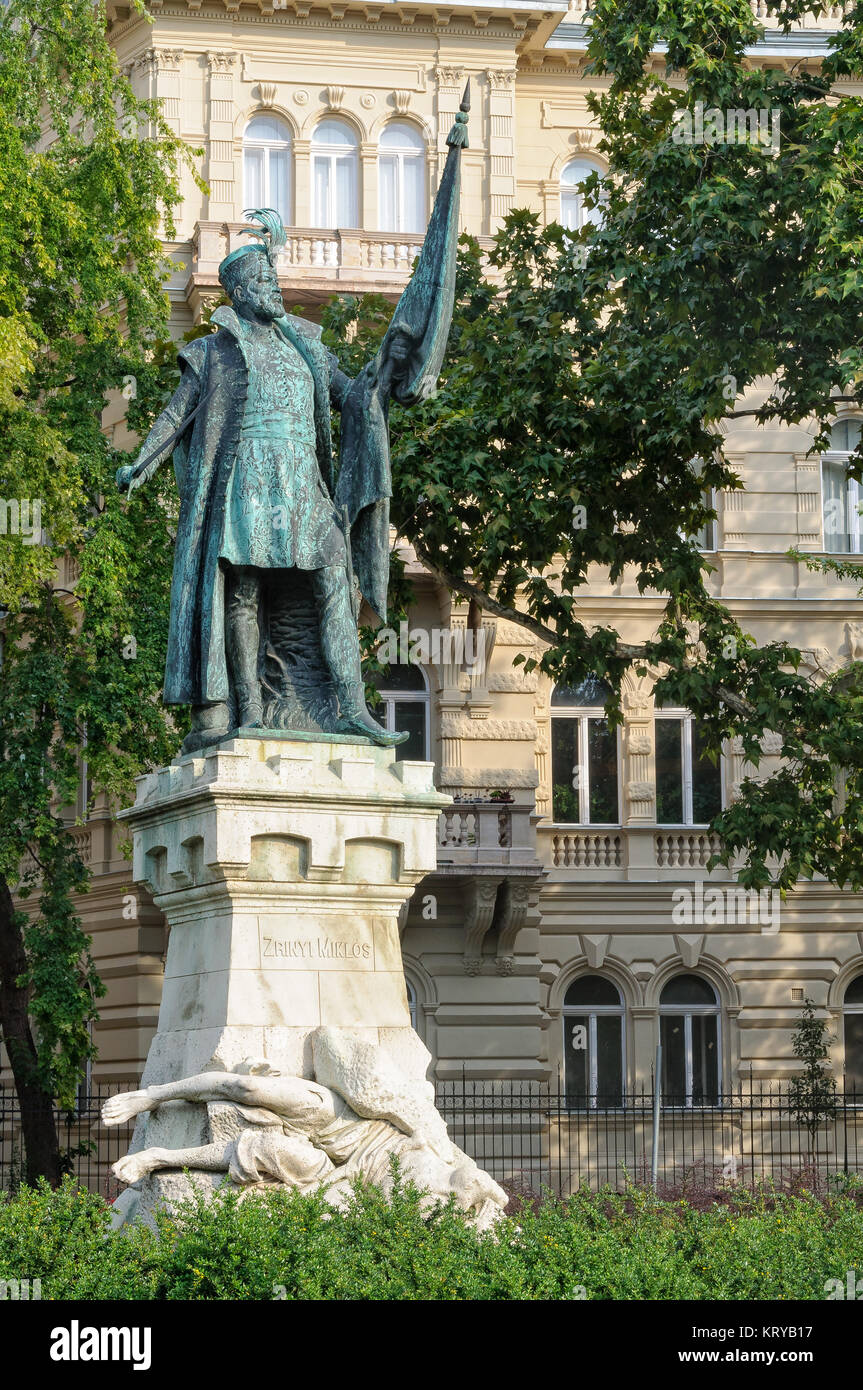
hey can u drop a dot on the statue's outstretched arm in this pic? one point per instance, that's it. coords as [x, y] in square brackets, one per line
[290, 1096]
[160, 441]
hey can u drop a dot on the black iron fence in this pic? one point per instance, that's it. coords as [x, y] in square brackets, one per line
[535, 1135]
[88, 1148]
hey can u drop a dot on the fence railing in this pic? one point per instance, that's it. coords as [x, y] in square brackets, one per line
[535, 1135]
[88, 1148]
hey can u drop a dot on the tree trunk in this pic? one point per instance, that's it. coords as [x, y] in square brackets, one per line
[41, 1145]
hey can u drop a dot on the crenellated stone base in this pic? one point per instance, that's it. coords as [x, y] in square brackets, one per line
[282, 865]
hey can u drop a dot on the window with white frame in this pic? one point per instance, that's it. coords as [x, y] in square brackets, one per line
[688, 784]
[689, 1034]
[852, 1028]
[573, 213]
[401, 179]
[584, 756]
[267, 166]
[335, 174]
[842, 496]
[404, 708]
[593, 1044]
[706, 537]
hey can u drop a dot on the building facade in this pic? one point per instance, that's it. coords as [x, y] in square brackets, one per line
[571, 922]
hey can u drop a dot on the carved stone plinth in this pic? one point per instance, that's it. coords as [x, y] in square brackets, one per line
[284, 1053]
[281, 866]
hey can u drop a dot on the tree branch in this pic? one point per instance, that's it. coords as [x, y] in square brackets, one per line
[624, 650]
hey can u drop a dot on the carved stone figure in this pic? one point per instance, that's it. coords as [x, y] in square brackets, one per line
[268, 1131]
[274, 548]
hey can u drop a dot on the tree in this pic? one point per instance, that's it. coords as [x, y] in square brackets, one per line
[812, 1094]
[582, 408]
[81, 301]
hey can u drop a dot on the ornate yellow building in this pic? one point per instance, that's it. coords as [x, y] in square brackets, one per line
[570, 926]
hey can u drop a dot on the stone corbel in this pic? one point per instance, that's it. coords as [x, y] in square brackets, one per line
[478, 697]
[479, 912]
[335, 98]
[514, 901]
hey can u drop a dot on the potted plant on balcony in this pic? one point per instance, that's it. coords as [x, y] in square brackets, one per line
[501, 794]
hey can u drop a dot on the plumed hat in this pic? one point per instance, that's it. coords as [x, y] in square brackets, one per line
[270, 237]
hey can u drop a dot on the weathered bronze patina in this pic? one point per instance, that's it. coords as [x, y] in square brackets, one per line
[274, 547]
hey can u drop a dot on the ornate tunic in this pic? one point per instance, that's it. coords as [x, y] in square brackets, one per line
[278, 513]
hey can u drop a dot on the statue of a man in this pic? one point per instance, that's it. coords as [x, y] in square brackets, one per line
[255, 475]
[274, 549]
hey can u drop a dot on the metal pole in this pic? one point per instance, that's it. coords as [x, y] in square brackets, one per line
[657, 1091]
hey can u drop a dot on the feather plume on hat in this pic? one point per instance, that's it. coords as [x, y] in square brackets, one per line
[271, 232]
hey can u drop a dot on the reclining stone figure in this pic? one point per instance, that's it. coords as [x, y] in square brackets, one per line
[277, 1131]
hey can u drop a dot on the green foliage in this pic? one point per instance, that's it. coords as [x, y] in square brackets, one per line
[597, 370]
[288, 1246]
[82, 302]
[812, 1094]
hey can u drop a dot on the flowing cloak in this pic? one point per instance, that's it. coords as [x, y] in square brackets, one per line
[216, 368]
[425, 309]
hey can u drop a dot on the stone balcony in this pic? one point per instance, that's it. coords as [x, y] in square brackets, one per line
[634, 854]
[315, 263]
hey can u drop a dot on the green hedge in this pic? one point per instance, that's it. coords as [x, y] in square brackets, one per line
[756, 1245]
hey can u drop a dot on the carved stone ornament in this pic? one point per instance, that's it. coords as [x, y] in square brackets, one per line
[265, 1130]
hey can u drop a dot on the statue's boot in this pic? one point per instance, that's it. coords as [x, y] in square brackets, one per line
[356, 718]
[210, 724]
[242, 638]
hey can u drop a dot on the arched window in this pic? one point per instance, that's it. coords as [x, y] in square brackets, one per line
[267, 166]
[853, 1033]
[689, 1033]
[335, 174]
[593, 1050]
[842, 496]
[412, 1003]
[573, 214]
[404, 707]
[688, 784]
[583, 756]
[401, 179]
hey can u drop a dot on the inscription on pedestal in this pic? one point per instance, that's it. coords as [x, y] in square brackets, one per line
[304, 946]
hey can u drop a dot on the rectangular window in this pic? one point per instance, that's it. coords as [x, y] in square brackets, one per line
[842, 499]
[346, 214]
[584, 771]
[279, 184]
[690, 1059]
[688, 784]
[706, 538]
[253, 169]
[387, 193]
[322, 192]
[594, 1061]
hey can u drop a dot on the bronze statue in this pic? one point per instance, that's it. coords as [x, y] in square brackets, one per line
[274, 550]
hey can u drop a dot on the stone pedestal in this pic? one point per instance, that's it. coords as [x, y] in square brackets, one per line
[281, 865]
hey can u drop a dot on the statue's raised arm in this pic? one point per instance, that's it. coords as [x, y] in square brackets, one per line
[405, 369]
